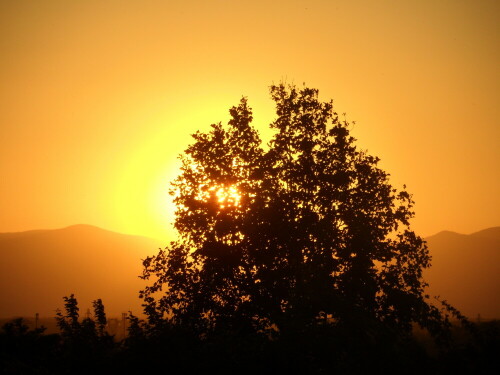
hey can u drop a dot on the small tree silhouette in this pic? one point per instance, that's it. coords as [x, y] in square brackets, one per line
[303, 232]
[89, 331]
[68, 323]
[85, 347]
[100, 317]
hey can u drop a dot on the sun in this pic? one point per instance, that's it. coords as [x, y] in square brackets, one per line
[227, 196]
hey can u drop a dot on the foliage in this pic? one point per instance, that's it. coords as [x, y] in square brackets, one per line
[324, 349]
[18, 328]
[24, 350]
[100, 317]
[278, 239]
[86, 345]
[88, 330]
[68, 323]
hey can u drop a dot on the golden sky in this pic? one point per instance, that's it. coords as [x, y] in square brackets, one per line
[97, 99]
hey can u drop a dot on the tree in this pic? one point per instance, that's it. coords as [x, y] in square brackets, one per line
[88, 331]
[305, 231]
[100, 317]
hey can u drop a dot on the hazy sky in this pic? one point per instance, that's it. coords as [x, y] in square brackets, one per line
[97, 99]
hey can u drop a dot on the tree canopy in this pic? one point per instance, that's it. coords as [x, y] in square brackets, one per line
[305, 230]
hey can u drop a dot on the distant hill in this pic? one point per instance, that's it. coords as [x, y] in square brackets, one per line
[38, 268]
[466, 271]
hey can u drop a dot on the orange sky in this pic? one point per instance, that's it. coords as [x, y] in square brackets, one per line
[97, 99]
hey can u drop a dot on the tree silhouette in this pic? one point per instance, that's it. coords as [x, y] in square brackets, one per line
[85, 346]
[85, 333]
[100, 317]
[305, 231]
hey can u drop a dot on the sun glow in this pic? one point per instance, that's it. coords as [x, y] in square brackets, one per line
[227, 196]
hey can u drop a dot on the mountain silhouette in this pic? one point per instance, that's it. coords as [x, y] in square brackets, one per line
[38, 268]
[466, 271]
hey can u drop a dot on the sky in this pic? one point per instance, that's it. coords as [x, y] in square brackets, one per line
[98, 98]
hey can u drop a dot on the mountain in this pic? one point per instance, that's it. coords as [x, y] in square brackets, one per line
[38, 268]
[466, 271]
